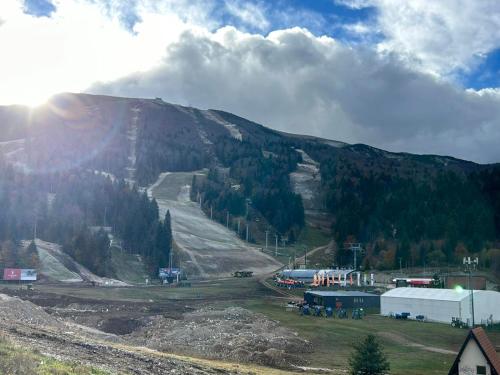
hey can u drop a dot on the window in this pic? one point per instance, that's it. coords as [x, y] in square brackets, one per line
[481, 370]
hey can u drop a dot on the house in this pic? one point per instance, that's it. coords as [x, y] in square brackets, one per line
[477, 356]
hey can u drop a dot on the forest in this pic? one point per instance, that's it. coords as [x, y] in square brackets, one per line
[251, 178]
[75, 209]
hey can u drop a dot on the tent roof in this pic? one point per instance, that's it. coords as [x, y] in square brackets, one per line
[324, 293]
[428, 293]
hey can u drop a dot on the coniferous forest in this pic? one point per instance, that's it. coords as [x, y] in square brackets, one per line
[75, 209]
[405, 209]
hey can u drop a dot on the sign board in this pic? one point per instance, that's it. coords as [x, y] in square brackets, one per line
[167, 272]
[12, 274]
[28, 275]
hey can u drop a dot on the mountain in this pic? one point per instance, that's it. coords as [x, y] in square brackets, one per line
[400, 205]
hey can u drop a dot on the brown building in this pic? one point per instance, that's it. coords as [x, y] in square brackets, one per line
[477, 282]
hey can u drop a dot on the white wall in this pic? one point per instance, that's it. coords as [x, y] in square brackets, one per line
[486, 303]
[433, 310]
[471, 358]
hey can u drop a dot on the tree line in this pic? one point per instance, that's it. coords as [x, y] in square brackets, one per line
[77, 209]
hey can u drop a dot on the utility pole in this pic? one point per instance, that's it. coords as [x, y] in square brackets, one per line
[267, 232]
[211, 213]
[247, 233]
[355, 248]
[400, 266]
[283, 242]
[239, 226]
[470, 266]
[276, 246]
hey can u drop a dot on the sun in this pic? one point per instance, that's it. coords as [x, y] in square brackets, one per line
[31, 97]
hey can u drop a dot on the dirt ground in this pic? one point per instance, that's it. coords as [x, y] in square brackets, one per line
[139, 337]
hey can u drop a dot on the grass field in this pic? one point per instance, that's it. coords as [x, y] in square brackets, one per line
[127, 267]
[333, 339]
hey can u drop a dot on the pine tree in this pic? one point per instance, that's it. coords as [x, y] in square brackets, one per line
[368, 358]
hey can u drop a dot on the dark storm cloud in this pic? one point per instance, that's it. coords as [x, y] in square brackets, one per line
[296, 82]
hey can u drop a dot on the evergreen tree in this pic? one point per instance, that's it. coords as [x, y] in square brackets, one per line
[368, 358]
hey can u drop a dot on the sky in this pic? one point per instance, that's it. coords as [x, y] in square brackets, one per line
[419, 76]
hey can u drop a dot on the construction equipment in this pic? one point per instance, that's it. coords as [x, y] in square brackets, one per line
[328, 312]
[458, 323]
[403, 315]
[357, 314]
[317, 311]
[243, 274]
[342, 313]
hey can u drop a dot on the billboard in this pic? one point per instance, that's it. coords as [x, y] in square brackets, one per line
[28, 275]
[12, 274]
[167, 272]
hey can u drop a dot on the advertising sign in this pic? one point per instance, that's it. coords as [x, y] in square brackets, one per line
[28, 275]
[12, 274]
[167, 272]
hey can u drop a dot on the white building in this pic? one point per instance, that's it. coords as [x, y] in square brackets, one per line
[440, 305]
[477, 356]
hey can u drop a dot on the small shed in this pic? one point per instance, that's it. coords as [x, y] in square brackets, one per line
[344, 299]
[477, 356]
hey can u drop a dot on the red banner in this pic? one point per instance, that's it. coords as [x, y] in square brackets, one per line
[12, 274]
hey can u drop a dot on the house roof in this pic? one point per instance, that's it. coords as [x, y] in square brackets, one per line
[309, 273]
[486, 347]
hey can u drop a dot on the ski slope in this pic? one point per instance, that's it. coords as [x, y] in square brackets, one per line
[306, 181]
[212, 249]
[59, 266]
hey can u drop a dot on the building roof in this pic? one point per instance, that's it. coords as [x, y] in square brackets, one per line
[309, 273]
[324, 293]
[486, 347]
[429, 293]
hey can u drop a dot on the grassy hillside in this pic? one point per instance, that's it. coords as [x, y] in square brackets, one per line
[16, 360]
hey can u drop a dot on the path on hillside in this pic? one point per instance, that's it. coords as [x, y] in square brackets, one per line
[213, 250]
[406, 342]
[330, 245]
[306, 181]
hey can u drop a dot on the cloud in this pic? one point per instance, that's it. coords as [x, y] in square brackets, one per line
[296, 82]
[80, 43]
[439, 37]
[392, 95]
[248, 13]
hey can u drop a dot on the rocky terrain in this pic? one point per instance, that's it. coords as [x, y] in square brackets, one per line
[141, 337]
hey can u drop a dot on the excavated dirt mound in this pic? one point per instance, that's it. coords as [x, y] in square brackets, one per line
[13, 309]
[232, 334]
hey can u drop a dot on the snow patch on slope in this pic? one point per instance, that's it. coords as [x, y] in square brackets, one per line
[232, 128]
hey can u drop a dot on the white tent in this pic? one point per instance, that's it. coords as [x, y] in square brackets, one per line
[441, 305]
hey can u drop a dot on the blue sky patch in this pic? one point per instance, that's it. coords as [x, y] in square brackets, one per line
[486, 74]
[39, 8]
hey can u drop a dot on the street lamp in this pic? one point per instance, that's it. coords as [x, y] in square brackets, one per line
[471, 265]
